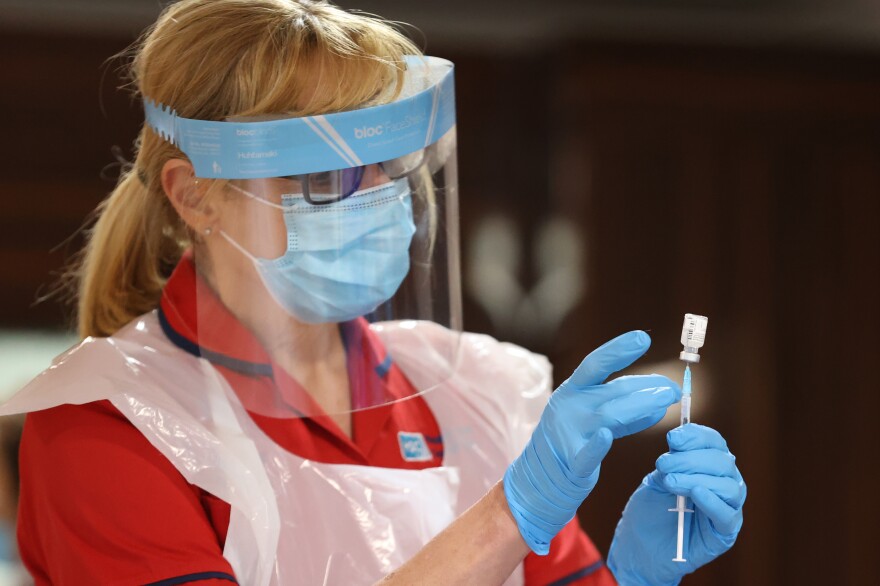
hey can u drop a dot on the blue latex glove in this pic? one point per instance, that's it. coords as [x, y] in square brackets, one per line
[559, 467]
[698, 466]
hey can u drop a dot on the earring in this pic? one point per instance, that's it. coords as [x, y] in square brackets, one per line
[208, 231]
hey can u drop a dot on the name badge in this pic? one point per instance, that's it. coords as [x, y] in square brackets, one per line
[413, 447]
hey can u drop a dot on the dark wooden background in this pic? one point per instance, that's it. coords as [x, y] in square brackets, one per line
[741, 183]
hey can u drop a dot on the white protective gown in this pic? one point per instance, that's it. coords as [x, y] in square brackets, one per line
[293, 520]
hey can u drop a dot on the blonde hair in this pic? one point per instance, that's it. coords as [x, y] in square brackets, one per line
[211, 60]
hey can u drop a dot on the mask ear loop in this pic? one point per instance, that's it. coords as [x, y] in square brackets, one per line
[256, 197]
[238, 246]
[230, 239]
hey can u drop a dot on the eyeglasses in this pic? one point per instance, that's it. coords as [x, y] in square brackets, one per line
[329, 187]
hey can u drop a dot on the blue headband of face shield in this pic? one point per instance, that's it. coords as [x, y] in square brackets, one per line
[312, 144]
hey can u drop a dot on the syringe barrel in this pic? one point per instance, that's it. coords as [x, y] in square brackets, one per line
[685, 409]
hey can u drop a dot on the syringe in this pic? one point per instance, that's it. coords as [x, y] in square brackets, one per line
[693, 334]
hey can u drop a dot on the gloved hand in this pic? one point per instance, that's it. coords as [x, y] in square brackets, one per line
[560, 465]
[698, 466]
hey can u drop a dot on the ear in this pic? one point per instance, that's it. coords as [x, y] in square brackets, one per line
[188, 195]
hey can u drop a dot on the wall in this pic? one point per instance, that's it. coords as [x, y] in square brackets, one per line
[742, 184]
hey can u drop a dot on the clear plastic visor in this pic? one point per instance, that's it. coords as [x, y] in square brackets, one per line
[301, 277]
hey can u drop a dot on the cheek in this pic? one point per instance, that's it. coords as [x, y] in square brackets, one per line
[260, 229]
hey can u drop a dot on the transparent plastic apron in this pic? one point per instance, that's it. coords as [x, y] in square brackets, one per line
[292, 520]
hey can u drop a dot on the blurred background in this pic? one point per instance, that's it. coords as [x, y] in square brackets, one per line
[621, 163]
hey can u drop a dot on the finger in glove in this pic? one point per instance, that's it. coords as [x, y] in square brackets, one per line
[592, 454]
[705, 461]
[725, 519]
[730, 490]
[612, 356]
[693, 436]
[645, 406]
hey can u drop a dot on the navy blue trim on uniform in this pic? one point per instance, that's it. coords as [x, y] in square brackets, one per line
[382, 369]
[195, 578]
[436, 446]
[582, 573]
[240, 366]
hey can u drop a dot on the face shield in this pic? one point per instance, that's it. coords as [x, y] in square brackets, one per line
[331, 228]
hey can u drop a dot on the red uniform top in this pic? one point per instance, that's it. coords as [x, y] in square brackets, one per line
[100, 505]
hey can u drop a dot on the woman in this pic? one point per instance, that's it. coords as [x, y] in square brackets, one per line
[242, 420]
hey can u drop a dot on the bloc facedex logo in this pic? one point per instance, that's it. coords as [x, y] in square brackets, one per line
[392, 127]
[368, 131]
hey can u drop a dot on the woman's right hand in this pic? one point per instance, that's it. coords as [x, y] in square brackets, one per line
[559, 467]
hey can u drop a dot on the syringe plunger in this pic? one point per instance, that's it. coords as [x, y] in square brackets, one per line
[693, 334]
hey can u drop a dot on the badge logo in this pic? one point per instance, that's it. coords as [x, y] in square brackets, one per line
[413, 447]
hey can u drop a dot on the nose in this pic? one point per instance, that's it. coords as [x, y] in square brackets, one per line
[374, 175]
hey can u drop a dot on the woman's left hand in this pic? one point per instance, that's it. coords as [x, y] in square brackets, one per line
[698, 466]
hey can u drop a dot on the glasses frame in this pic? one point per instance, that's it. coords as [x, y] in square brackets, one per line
[304, 180]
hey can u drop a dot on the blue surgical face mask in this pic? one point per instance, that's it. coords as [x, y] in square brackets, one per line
[344, 259]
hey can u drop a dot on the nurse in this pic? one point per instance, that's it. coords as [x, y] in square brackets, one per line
[274, 387]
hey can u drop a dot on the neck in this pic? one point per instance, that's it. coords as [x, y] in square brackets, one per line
[313, 354]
